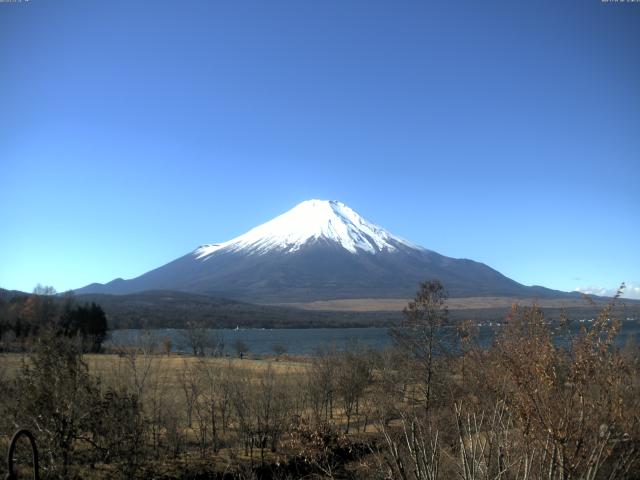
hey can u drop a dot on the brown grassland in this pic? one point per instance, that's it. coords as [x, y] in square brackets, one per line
[466, 303]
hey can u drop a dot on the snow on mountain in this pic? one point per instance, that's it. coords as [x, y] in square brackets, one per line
[309, 221]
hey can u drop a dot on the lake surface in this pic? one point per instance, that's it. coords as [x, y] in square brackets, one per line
[297, 341]
[305, 341]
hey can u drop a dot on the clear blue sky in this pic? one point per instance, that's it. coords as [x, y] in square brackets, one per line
[133, 131]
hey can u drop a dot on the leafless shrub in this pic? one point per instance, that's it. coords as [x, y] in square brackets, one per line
[352, 377]
[321, 385]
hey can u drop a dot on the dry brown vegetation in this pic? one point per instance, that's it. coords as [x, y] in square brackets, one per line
[522, 409]
[466, 303]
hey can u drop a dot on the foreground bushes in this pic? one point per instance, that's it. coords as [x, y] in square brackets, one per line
[525, 408]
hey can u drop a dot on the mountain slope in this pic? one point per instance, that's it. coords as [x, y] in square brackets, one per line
[319, 250]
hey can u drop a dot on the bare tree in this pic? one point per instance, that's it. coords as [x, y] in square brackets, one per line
[279, 349]
[167, 345]
[56, 398]
[353, 376]
[213, 401]
[321, 384]
[240, 347]
[418, 335]
[189, 384]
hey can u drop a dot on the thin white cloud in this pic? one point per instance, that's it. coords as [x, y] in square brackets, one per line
[631, 291]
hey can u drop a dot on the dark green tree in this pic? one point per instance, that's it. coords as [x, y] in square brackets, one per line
[86, 321]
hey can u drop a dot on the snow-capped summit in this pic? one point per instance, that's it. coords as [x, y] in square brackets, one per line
[312, 221]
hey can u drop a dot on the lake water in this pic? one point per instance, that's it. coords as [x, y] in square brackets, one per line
[301, 341]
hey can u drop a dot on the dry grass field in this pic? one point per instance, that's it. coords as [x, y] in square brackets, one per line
[175, 392]
[116, 370]
[467, 303]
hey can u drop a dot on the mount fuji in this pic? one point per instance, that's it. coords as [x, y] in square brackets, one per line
[319, 250]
